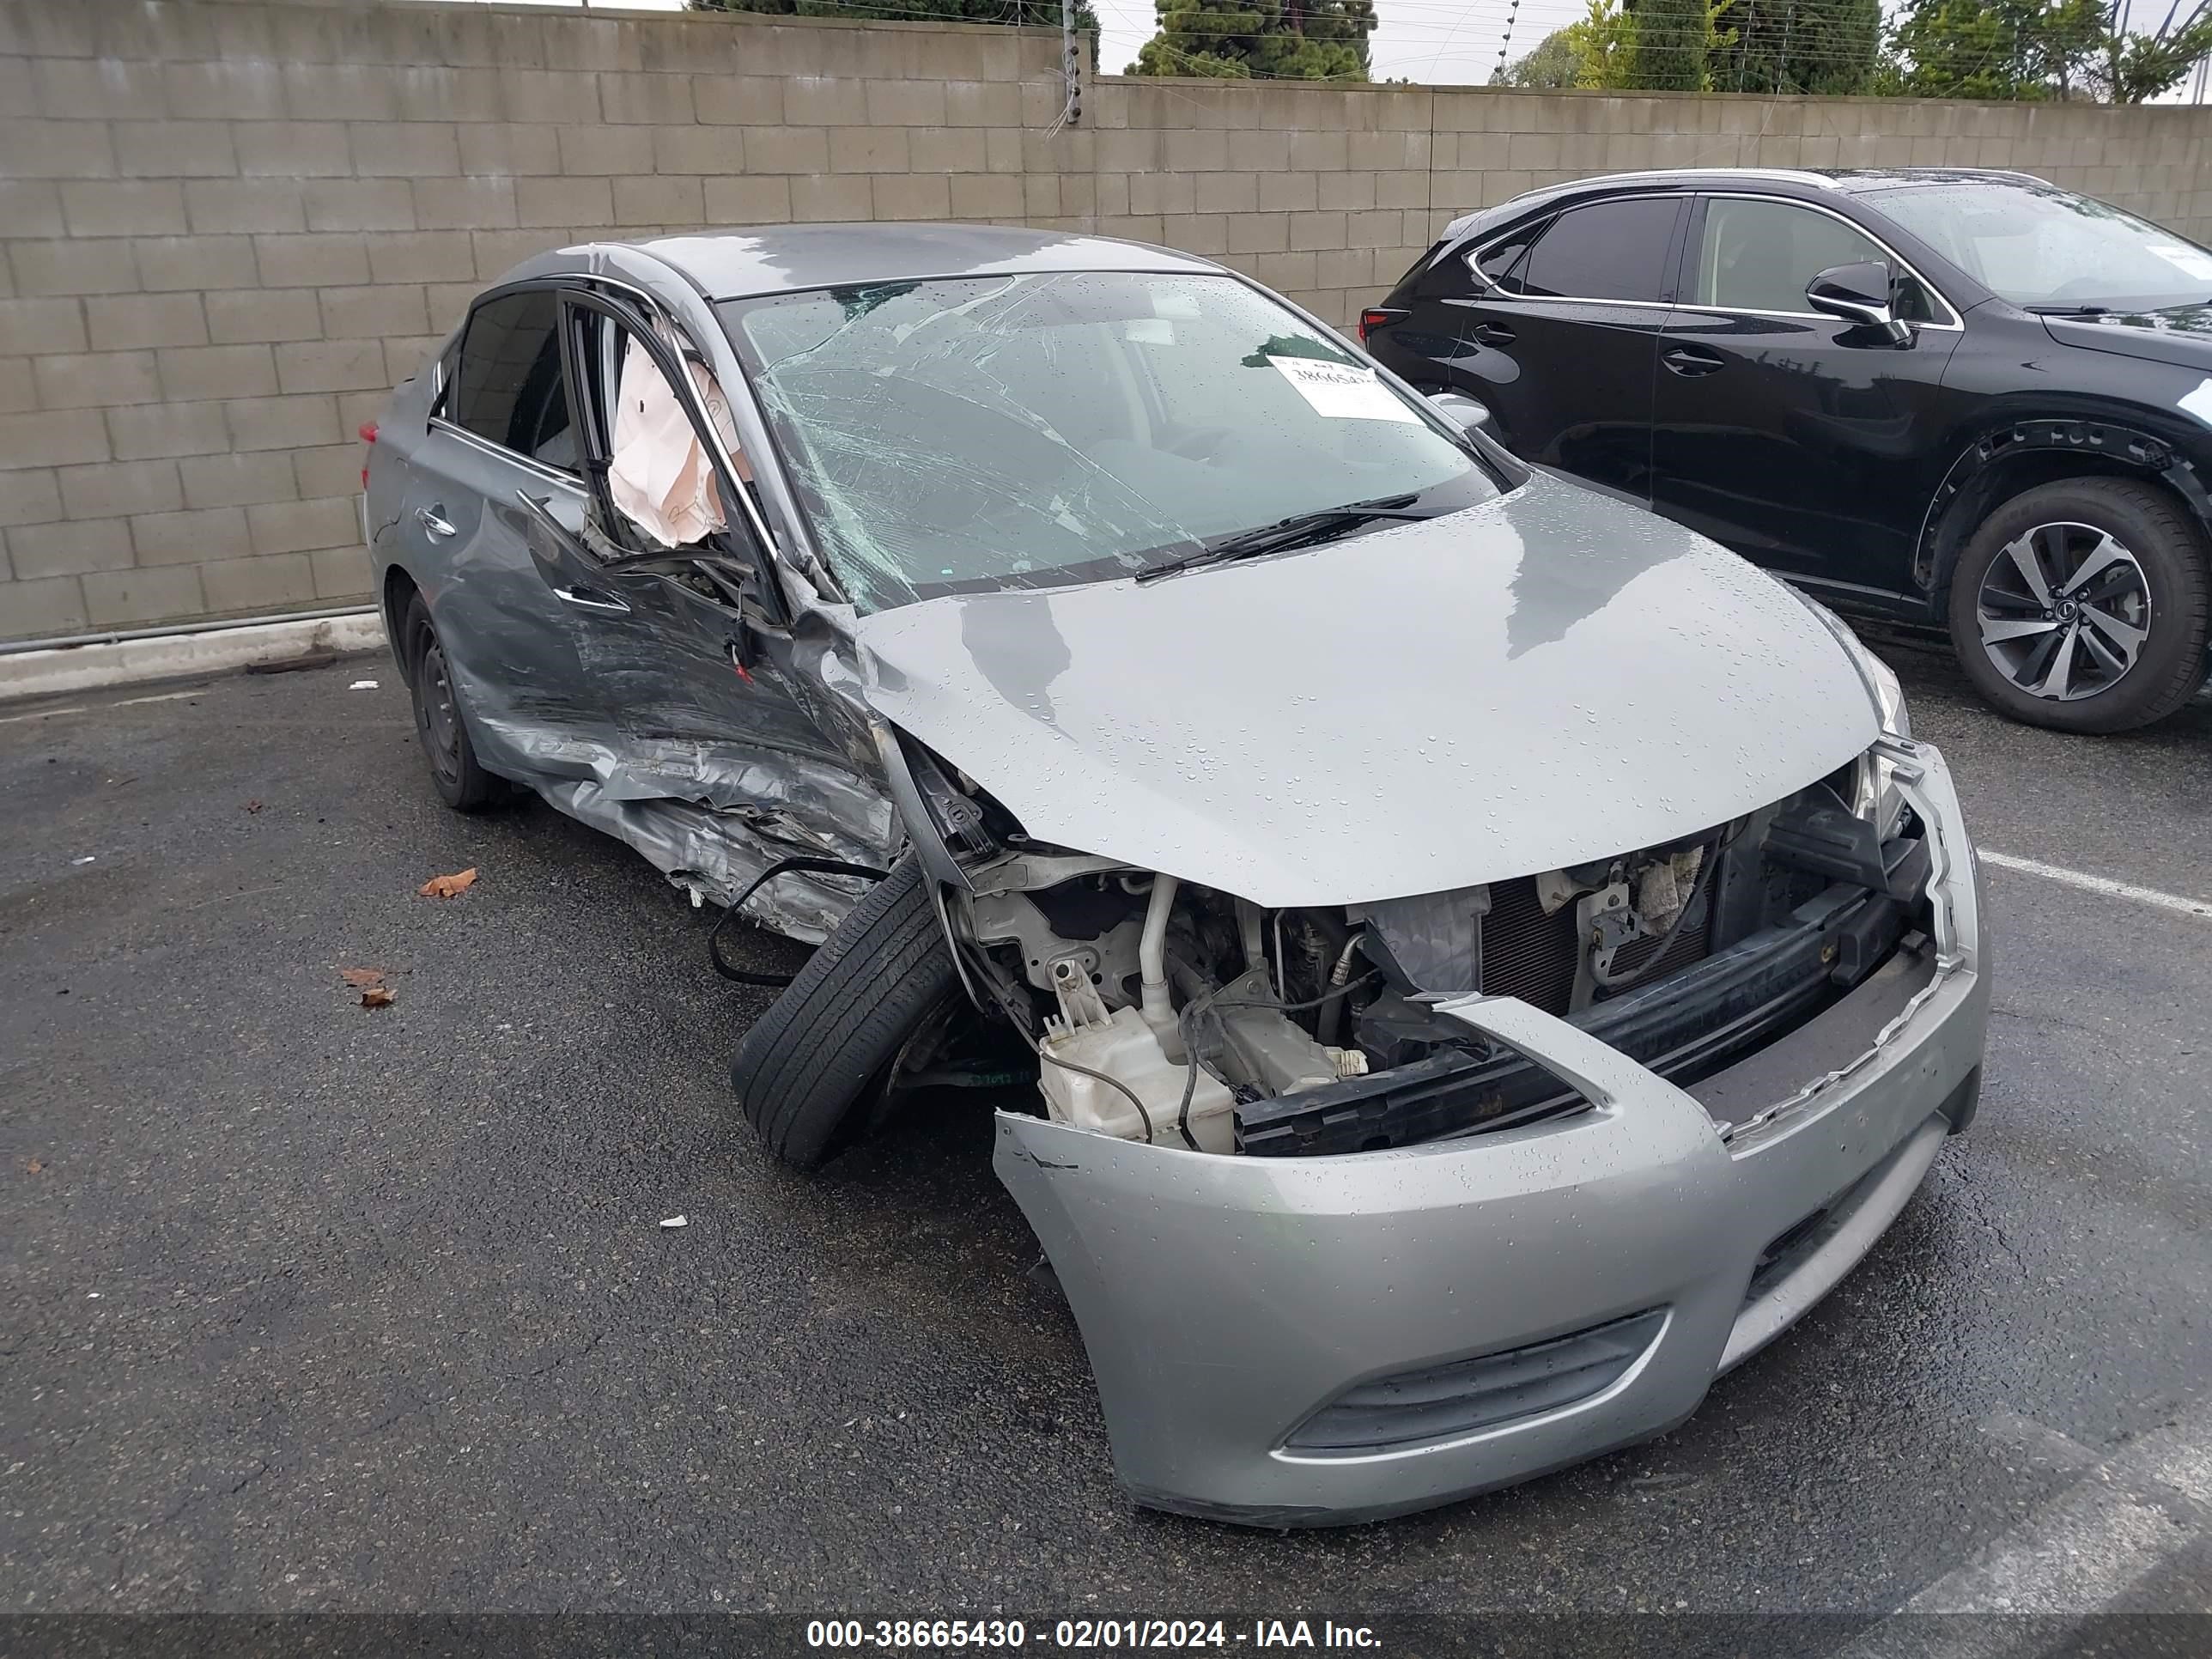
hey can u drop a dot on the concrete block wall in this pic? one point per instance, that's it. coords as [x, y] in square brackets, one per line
[230, 226]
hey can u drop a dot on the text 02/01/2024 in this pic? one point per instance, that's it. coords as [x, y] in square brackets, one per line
[1087, 1633]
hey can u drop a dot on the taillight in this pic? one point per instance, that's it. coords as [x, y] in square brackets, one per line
[1378, 317]
[368, 436]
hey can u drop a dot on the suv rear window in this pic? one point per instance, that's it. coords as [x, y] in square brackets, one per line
[507, 385]
[1606, 251]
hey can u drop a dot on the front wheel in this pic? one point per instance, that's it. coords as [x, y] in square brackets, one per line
[813, 1065]
[2082, 605]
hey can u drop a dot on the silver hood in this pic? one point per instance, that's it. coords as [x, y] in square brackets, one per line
[1545, 679]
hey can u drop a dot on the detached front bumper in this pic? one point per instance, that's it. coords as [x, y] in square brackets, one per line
[1313, 1341]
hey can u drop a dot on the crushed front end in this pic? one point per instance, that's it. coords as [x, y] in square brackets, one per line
[1366, 1208]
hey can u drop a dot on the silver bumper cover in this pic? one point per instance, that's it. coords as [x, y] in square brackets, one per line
[1225, 1301]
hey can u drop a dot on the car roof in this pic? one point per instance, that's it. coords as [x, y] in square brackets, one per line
[1803, 182]
[785, 258]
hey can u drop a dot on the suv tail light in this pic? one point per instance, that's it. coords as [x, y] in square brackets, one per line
[1378, 317]
[367, 436]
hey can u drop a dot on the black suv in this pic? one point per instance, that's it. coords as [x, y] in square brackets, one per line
[1960, 397]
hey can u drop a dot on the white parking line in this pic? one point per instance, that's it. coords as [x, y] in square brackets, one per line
[2101, 884]
[2073, 1556]
[87, 708]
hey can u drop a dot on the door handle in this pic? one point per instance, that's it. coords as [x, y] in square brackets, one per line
[427, 517]
[1690, 362]
[1490, 334]
[590, 599]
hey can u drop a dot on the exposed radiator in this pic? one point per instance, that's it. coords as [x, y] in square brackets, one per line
[1531, 956]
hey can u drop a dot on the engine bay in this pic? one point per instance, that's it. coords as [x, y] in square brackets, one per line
[1170, 1013]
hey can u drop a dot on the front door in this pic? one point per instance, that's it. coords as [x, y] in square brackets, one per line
[680, 628]
[1557, 332]
[1788, 435]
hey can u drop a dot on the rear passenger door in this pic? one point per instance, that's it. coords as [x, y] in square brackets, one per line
[1557, 328]
[500, 430]
[1801, 440]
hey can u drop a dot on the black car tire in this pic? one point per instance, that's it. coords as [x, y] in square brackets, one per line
[812, 1067]
[458, 777]
[2169, 550]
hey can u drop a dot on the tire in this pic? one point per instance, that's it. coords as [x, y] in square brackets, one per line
[2042, 670]
[455, 773]
[809, 1072]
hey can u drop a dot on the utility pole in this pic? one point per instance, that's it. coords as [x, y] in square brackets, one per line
[1070, 67]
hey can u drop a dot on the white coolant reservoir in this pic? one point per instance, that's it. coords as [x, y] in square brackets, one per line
[1123, 1047]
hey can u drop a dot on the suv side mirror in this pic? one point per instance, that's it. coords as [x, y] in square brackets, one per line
[1461, 410]
[1858, 294]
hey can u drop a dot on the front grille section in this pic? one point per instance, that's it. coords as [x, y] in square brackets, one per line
[1683, 1027]
[1442, 1402]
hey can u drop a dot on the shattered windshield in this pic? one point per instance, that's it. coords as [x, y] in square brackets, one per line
[1043, 428]
[2039, 247]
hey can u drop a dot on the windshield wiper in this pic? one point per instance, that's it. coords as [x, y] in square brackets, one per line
[2069, 311]
[1299, 530]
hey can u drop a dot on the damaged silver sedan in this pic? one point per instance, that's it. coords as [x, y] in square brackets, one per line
[1474, 960]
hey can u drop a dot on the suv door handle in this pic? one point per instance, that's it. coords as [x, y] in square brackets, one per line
[1490, 334]
[1690, 362]
[590, 599]
[427, 517]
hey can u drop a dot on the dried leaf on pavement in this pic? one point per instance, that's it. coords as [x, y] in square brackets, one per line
[253, 806]
[362, 978]
[377, 996]
[449, 886]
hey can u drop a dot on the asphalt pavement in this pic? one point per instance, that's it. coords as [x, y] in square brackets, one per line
[305, 1305]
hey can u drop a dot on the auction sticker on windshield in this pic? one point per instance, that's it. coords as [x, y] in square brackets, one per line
[2190, 261]
[1343, 392]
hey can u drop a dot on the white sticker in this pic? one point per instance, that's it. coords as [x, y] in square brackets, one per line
[1343, 392]
[1151, 331]
[1181, 308]
[2199, 402]
[2189, 261]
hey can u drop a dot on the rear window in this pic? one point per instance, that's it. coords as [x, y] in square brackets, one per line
[1606, 251]
[506, 386]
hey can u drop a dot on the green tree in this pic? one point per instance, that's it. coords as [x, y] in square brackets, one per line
[1828, 48]
[2046, 49]
[1552, 65]
[2140, 66]
[1604, 42]
[1037, 13]
[1670, 52]
[1617, 49]
[1268, 39]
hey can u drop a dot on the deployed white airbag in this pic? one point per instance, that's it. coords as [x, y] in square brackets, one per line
[660, 476]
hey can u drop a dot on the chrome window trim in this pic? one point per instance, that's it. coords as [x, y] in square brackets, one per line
[1473, 254]
[1956, 326]
[574, 480]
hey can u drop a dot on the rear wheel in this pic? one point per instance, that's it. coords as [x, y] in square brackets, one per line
[461, 782]
[2082, 605]
[865, 1010]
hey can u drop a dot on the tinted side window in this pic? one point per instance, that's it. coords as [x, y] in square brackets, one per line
[508, 385]
[1607, 251]
[1499, 263]
[1759, 255]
